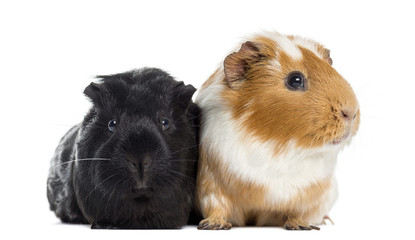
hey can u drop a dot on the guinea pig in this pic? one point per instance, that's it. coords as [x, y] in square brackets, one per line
[132, 162]
[273, 120]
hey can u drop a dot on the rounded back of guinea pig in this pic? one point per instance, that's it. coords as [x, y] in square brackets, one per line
[141, 131]
[284, 89]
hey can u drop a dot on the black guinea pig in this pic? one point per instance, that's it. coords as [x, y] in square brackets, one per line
[132, 162]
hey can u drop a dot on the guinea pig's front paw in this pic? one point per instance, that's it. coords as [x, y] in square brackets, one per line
[297, 224]
[214, 223]
[102, 226]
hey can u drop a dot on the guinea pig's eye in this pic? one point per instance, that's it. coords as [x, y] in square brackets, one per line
[295, 81]
[112, 124]
[165, 123]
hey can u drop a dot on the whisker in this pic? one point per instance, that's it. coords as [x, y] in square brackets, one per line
[184, 149]
[80, 160]
[191, 181]
[100, 184]
[181, 174]
[114, 187]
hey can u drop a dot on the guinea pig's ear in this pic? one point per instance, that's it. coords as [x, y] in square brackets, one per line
[326, 56]
[93, 91]
[236, 64]
[183, 95]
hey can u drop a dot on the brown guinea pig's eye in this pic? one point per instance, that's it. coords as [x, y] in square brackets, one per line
[295, 81]
[165, 123]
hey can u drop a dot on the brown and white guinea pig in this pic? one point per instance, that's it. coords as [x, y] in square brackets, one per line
[274, 118]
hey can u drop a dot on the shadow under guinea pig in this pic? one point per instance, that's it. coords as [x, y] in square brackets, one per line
[132, 161]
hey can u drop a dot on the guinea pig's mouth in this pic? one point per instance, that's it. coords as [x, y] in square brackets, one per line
[340, 140]
[142, 193]
[335, 142]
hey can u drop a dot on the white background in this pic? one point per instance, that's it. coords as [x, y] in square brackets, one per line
[50, 51]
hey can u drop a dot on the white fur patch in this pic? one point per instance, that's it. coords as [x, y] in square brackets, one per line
[328, 200]
[275, 64]
[251, 160]
[214, 200]
[308, 44]
[285, 44]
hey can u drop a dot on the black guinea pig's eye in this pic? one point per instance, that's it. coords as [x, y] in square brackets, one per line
[295, 81]
[112, 124]
[165, 123]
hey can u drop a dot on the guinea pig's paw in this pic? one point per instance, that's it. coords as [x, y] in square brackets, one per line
[297, 224]
[214, 223]
[102, 226]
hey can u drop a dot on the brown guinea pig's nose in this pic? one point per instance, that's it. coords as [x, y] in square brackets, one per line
[348, 114]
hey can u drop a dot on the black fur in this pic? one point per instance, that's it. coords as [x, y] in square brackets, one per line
[102, 178]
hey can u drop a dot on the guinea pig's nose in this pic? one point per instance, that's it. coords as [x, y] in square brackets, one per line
[139, 162]
[348, 114]
[146, 161]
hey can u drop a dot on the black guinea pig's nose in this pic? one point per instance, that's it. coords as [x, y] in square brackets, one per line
[139, 162]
